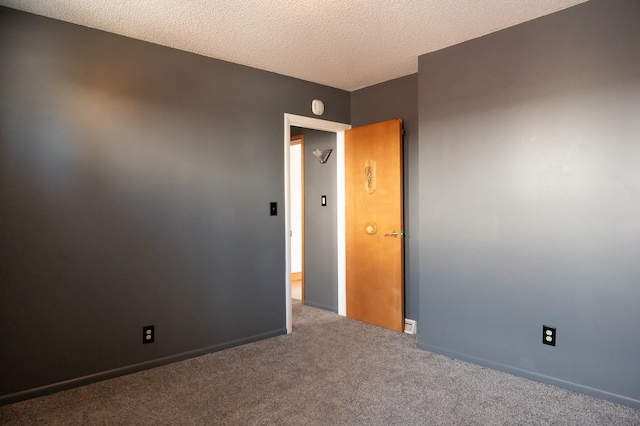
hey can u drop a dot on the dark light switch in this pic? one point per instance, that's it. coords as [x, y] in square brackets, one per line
[274, 209]
[323, 201]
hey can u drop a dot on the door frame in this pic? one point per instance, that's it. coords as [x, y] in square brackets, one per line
[338, 129]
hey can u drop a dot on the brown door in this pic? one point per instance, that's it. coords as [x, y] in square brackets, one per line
[374, 224]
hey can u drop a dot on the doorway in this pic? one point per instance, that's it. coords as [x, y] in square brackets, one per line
[327, 126]
[297, 216]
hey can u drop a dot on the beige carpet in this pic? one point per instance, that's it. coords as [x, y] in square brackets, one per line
[330, 371]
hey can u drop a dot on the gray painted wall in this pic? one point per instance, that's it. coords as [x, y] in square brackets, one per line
[530, 199]
[398, 98]
[135, 183]
[320, 223]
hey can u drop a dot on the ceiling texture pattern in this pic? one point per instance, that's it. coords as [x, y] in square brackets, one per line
[347, 44]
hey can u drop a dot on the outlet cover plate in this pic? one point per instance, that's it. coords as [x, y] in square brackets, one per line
[548, 335]
[148, 334]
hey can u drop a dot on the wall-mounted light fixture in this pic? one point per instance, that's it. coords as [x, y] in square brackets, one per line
[323, 155]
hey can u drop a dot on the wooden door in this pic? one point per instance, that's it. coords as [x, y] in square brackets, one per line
[374, 224]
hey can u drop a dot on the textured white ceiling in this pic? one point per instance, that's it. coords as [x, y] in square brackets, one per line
[348, 44]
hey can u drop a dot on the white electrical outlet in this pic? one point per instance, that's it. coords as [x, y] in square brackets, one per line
[548, 335]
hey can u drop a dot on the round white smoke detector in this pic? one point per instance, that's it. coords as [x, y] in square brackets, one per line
[317, 106]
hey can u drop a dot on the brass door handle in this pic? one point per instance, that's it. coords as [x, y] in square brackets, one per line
[393, 234]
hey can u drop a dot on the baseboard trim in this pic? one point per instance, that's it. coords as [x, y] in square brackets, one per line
[618, 399]
[110, 374]
[321, 306]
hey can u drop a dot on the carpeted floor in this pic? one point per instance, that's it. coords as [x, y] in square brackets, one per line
[329, 371]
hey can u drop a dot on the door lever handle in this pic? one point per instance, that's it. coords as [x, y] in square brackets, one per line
[393, 234]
